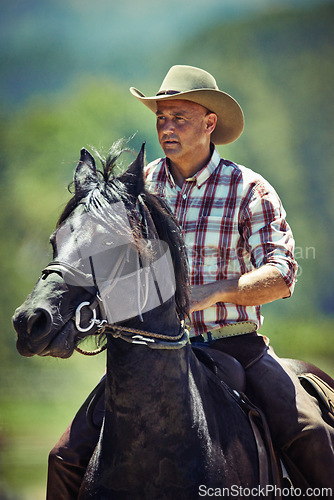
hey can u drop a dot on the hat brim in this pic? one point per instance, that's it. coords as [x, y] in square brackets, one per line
[230, 118]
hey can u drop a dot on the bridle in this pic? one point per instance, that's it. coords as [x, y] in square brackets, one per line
[131, 335]
[62, 268]
[102, 325]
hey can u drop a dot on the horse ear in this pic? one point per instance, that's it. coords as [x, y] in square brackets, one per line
[134, 175]
[85, 175]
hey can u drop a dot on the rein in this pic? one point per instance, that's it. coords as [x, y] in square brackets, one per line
[150, 339]
[141, 337]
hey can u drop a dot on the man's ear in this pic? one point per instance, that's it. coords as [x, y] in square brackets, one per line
[134, 175]
[85, 175]
[211, 122]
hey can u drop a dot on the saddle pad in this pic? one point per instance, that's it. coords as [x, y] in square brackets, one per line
[315, 386]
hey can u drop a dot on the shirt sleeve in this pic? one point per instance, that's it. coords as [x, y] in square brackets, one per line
[267, 235]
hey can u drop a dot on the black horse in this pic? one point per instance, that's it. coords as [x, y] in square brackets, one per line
[173, 428]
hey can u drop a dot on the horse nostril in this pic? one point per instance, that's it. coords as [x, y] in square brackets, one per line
[40, 322]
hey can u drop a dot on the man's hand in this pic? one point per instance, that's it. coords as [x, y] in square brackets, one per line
[257, 287]
[204, 296]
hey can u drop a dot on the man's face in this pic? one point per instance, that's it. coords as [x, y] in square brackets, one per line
[183, 128]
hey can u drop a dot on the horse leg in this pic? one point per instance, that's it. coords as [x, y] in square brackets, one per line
[295, 421]
[69, 458]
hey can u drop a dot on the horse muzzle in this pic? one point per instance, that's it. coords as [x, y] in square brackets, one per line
[45, 334]
[33, 330]
[38, 334]
[51, 322]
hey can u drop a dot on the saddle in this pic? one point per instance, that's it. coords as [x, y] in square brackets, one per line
[225, 367]
[316, 382]
[323, 392]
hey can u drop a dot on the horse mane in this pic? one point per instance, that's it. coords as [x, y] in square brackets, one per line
[165, 222]
[108, 164]
[169, 231]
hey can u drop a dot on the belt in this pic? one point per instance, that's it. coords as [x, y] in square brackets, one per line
[227, 331]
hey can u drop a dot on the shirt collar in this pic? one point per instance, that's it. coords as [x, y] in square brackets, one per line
[201, 176]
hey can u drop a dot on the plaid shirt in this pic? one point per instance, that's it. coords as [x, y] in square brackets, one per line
[232, 222]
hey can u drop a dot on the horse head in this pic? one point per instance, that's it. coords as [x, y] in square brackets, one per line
[111, 262]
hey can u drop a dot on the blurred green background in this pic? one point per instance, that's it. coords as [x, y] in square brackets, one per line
[65, 70]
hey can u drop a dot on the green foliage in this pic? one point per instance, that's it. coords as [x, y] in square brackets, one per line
[308, 338]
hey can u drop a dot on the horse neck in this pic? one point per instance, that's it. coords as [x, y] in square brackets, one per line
[149, 398]
[162, 320]
[135, 373]
[139, 386]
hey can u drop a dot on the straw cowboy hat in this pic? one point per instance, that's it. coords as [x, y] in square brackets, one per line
[196, 85]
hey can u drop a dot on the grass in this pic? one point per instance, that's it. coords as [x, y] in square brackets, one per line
[39, 397]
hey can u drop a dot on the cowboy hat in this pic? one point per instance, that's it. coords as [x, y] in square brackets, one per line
[196, 85]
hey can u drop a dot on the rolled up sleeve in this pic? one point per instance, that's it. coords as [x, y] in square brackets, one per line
[267, 235]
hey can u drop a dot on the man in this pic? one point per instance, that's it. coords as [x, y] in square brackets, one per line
[240, 251]
[185, 130]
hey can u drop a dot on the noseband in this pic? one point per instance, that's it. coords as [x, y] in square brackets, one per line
[61, 268]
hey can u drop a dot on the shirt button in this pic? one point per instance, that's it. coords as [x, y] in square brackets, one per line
[184, 196]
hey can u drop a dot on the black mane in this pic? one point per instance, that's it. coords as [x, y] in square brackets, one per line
[108, 164]
[169, 231]
[113, 189]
